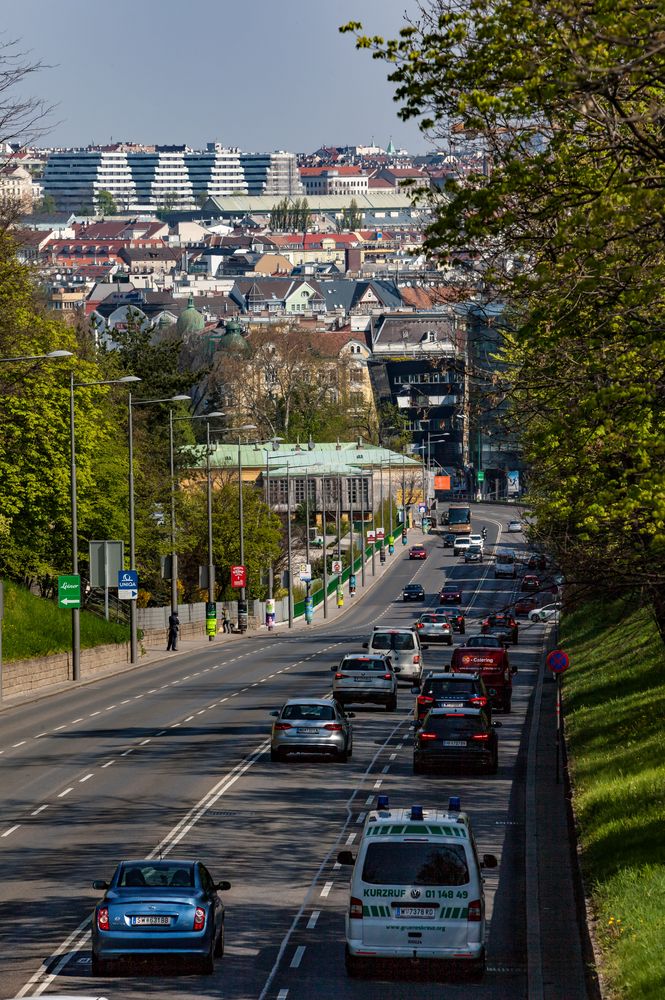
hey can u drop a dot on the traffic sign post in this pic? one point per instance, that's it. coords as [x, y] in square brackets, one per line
[69, 591]
[337, 565]
[558, 662]
[305, 573]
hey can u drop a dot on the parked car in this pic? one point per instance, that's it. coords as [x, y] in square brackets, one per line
[433, 626]
[501, 624]
[456, 738]
[450, 593]
[441, 689]
[546, 613]
[413, 592]
[417, 552]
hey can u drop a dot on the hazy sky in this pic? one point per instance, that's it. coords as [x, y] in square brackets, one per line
[262, 75]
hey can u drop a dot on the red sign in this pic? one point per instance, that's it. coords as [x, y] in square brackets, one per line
[380, 534]
[238, 576]
[558, 661]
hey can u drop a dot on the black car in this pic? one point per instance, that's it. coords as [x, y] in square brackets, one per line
[454, 738]
[413, 592]
[450, 593]
[503, 625]
[448, 540]
[446, 690]
[456, 618]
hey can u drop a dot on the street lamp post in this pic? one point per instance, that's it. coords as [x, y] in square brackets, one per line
[325, 551]
[174, 554]
[289, 556]
[76, 612]
[362, 528]
[52, 355]
[351, 481]
[131, 403]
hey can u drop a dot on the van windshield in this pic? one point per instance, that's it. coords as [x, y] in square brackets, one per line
[393, 640]
[415, 864]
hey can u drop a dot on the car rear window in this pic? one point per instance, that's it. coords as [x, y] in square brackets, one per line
[156, 875]
[441, 688]
[312, 712]
[394, 640]
[484, 641]
[366, 664]
[455, 725]
[415, 864]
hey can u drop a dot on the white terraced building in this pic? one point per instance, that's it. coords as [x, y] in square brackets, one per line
[166, 178]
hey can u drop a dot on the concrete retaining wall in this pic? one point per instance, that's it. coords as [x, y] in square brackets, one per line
[25, 676]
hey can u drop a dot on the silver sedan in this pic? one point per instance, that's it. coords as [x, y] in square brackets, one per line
[311, 726]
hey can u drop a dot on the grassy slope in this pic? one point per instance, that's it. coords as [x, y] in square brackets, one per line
[615, 709]
[35, 627]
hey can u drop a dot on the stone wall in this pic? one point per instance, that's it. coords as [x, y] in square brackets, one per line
[27, 676]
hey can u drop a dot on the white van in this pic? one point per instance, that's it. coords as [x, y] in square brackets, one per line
[402, 646]
[505, 563]
[416, 889]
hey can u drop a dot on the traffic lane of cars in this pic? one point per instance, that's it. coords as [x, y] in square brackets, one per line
[314, 966]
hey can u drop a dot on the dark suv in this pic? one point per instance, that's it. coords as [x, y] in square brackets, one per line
[462, 737]
[446, 690]
[413, 592]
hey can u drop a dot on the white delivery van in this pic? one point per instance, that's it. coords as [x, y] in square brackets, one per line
[416, 889]
[505, 563]
[402, 646]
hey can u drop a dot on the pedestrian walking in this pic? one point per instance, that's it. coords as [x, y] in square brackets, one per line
[174, 628]
[226, 624]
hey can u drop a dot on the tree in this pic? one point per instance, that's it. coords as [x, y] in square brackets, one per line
[105, 203]
[564, 106]
[46, 205]
[350, 219]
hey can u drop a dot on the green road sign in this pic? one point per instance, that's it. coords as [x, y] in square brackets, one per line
[481, 476]
[69, 591]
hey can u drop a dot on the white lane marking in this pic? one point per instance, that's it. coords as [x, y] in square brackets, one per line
[152, 691]
[202, 712]
[255, 684]
[93, 714]
[393, 756]
[163, 686]
[126, 701]
[360, 818]
[189, 718]
[196, 674]
[39, 735]
[57, 729]
[351, 837]
[325, 892]
[297, 956]
[11, 830]
[143, 742]
[384, 770]
[61, 795]
[311, 923]
[173, 683]
[108, 763]
[109, 707]
[63, 950]
[282, 995]
[235, 694]
[175, 725]
[19, 744]
[87, 777]
[186, 677]
[161, 732]
[125, 752]
[242, 690]
[137, 696]
[39, 810]
[73, 723]
[377, 784]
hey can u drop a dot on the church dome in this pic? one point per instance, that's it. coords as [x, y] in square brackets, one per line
[190, 320]
[232, 340]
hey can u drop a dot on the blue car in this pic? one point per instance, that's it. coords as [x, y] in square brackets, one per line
[158, 908]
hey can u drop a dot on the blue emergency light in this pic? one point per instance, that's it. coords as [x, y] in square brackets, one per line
[454, 803]
[417, 812]
[382, 802]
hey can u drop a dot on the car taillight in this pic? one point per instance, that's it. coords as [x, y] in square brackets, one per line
[355, 908]
[103, 918]
[339, 677]
[480, 736]
[336, 727]
[480, 701]
[282, 725]
[420, 624]
[424, 699]
[475, 912]
[199, 918]
[416, 658]
[426, 736]
[387, 677]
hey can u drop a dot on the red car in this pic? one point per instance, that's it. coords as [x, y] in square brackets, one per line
[450, 593]
[417, 552]
[525, 604]
[530, 582]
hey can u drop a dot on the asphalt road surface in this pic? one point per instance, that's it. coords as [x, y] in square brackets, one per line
[173, 759]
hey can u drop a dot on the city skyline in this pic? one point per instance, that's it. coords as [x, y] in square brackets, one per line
[297, 84]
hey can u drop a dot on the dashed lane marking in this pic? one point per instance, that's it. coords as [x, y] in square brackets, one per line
[39, 809]
[314, 916]
[66, 791]
[86, 777]
[108, 763]
[297, 956]
[325, 892]
[11, 830]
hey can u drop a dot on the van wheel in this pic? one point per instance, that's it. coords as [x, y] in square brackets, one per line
[477, 969]
[355, 966]
[391, 704]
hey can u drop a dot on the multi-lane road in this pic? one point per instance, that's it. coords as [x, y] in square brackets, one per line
[172, 759]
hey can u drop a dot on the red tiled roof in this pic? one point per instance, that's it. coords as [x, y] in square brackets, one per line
[378, 182]
[342, 171]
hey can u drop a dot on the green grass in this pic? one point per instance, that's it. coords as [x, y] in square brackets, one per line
[615, 707]
[33, 626]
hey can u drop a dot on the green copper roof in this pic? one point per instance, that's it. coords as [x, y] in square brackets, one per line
[333, 458]
[190, 320]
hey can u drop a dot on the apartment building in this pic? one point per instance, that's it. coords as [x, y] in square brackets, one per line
[349, 181]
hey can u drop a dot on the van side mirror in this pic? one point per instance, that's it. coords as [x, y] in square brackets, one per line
[100, 884]
[345, 858]
[489, 861]
[222, 886]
